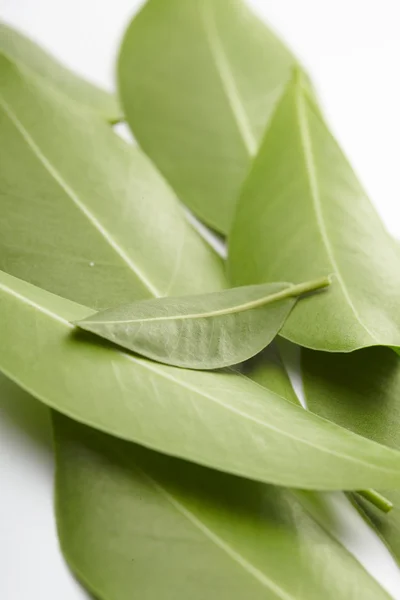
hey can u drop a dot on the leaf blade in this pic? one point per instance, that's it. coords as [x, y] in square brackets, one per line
[216, 419]
[360, 391]
[207, 331]
[237, 68]
[237, 537]
[328, 225]
[24, 51]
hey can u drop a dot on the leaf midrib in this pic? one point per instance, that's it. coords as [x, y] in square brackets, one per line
[68, 190]
[226, 77]
[291, 291]
[152, 367]
[216, 539]
[311, 171]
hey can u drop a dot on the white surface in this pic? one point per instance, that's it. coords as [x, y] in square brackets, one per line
[352, 50]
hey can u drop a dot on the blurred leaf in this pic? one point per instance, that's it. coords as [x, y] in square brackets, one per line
[132, 521]
[26, 54]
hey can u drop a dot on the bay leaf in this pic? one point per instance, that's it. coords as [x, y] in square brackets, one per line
[198, 81]
[80, 210]
[165, 529]
[361, 391]
[218, 419]
[207, 331]
[81, 222]
[303, 214]
[27, 54]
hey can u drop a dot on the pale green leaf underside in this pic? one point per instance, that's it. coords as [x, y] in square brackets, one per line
[361, 391]
[302, 214]
[207, 331]
[24, 51]
[198, 81]
[217, 419]
[166, 529]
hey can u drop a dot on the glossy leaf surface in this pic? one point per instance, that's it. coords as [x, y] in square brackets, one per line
[162, 528]
[303, 214]
[27, 54]
[361, 391]
[207, 331]
[81, 210]
[218, 419]
[198, 81]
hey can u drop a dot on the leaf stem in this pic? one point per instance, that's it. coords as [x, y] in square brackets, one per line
[309, 286]
[377, 499]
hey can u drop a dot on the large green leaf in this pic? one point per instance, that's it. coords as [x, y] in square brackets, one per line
[218, 419]
[28, 54]
[198, 81]
[207, 331]
[82, 212]
[134, 523]
[360, 391]
[303, 214]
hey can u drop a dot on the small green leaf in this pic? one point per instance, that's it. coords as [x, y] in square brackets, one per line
[207, 331]
[198, 81]
[132, 521]
[27, 54]
[361, 391]
[303, 214]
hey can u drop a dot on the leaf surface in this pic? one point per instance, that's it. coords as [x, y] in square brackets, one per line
[303, 214]
[81, 210]
[27, 53]
[214, 418]
[165, 529]
[198, 81]
[207, 331]
[361, 391]
[66, 226]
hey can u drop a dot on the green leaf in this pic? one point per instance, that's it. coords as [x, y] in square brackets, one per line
[218, 419]
[82, 211]
[303, 214]
[361, 391]
[27, 54]
[208, 331]
[198, 81]
[162, 528]
[267, 369]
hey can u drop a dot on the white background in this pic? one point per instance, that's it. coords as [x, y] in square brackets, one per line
[352, 50]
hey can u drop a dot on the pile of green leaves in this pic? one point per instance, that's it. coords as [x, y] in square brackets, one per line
[186, 466]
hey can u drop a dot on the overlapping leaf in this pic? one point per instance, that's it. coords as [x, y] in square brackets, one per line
[165, 529]
[360, 391]
[303, 214]
[208, 331]
[73, 232]
[217, 419]
[198, 81]
[26, 53]
[82, 213]
[75, 223]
